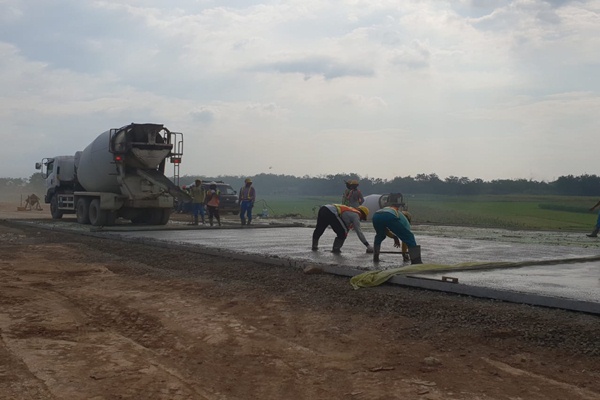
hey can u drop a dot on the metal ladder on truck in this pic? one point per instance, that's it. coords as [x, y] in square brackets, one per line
[176, 154]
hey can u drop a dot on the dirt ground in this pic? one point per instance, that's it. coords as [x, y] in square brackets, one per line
[87, 318]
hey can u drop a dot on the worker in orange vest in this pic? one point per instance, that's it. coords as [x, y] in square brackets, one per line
[352, 196]
[213, 198]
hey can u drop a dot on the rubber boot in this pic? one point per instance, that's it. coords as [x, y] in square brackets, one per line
[243, 221]
[594, 233]
[376, 250]
[315, 245]
[337, 245]
[249, 221]
[195, 220]
[415, 255]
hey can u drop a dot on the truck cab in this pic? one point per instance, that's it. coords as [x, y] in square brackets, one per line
[59, 175]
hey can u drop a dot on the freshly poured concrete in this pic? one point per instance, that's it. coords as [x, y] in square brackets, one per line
[579, 281]
[296, 243]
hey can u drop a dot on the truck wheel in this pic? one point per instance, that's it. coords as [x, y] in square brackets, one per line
[158, 216]
[111, 218]
[54, 211]
[166, 216]
[140, 216]
[82, 210]
[97, 216]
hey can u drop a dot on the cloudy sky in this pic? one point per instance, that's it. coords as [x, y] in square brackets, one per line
[470, 88]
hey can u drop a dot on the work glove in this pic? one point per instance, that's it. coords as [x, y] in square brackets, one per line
[369, 249]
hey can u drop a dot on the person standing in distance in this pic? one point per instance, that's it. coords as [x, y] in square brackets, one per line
[212, 203]
[198, 196]
[246, 197]
[597, 227]
[352, 195]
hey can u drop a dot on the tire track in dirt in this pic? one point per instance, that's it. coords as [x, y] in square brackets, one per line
[57, 339]
[103, 316]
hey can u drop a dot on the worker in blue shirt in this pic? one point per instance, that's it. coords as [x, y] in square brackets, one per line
[391, 219]
[597, 228]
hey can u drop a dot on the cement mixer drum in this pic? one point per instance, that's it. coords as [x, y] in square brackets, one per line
[376, 202]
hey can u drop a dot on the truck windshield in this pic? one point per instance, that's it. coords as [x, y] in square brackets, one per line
[49, 168]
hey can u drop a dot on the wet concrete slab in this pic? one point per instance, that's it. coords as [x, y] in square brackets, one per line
[296, 243]
[551, 272]
[576, 281]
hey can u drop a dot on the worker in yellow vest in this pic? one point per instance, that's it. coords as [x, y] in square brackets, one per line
[247, 197]
[198, 196]
[342, 219]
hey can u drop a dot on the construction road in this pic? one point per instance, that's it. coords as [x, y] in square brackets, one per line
[541, 274]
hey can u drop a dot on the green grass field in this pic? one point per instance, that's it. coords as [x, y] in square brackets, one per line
[510, 212]
[296, 207]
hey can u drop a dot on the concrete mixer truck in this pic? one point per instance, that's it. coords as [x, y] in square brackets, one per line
[375, 202]
[119, 175]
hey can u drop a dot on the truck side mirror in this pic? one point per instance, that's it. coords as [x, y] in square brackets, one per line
[38, 165]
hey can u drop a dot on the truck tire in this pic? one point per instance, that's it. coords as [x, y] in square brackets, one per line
[159, 216]
[166, 216]
[82, 210]
[54, 211]
[111, 218]
[138, 216]
[97, 216]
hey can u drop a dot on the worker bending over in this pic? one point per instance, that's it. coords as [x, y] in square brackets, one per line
[391, 219]
[397, 241]
[341, 218]
[32, 201]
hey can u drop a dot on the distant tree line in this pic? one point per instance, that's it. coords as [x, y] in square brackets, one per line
[333, 185]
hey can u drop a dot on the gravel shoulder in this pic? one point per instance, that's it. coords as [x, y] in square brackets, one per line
[87, 318]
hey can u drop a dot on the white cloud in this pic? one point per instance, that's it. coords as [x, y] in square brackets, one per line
[427, 86]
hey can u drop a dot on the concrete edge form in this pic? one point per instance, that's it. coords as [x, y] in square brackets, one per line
[504, 295]
[184, 227]
[349, 272]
